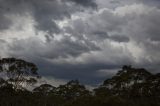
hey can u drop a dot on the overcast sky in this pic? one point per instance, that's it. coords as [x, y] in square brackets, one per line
[87, 40]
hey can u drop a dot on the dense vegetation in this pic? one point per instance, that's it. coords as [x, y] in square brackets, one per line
[129, 87]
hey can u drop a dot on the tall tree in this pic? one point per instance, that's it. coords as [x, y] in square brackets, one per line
[19, 72]
[72, 90]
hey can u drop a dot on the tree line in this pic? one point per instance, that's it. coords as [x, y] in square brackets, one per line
[129, 87]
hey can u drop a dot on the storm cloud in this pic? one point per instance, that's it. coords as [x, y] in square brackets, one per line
[87, 40]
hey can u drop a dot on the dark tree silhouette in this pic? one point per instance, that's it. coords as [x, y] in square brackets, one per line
[18, 71]
[72, 90]
[44, 89]
[129, 87]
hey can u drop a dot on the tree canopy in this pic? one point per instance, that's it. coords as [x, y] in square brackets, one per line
[129, 87]
[18, 71]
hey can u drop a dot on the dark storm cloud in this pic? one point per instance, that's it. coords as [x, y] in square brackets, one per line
[99, 35]
[53, 59]
[86, 3]
[151, 2]
[86, 73]
[145, 26]
[55, 49]
[142, 29]
[88, 40]
[97, 28]
[119, 38]
[104, 35]
[45, 12]
[66, 47]
[114, 2]
[4, 21]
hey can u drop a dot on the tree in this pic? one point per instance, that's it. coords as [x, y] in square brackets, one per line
[72, 90]
[126, 79]
[44, 89]
[19, 72]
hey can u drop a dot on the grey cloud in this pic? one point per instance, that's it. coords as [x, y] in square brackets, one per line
[45, 12]
[142, 29]
[104, 35]
[5, 23]
[87, 3]
[144, 26]
[98, 27]
[115, 2]
[119, 38]
[107, 21]
[91, 44]
[151, 2]
[87, 73]
[67, 47]
[4, 48]
[2, 41]
[34, 50]
[99, 35]
[55, 49]
[138, 27]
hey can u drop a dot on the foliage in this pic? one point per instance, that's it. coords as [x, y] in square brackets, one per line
[19, 71]
[129, 87]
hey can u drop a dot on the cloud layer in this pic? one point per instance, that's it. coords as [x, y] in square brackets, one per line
[81, 39]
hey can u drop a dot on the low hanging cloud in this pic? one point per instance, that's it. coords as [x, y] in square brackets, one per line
[53, 50]
[87, 40]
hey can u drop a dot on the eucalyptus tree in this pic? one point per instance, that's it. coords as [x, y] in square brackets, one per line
[72, 90]
[19, 72]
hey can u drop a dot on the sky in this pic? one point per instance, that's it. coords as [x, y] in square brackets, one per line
[88, 40]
